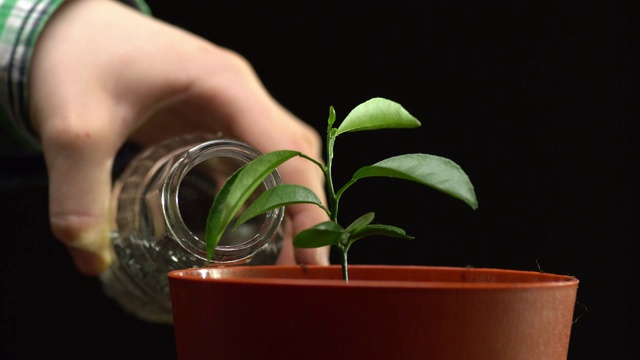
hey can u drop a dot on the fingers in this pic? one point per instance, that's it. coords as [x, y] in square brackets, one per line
[84, 104]
[78, 128]
[244, 110]
[225, 95]
[146, 70]
[289, 255]
[79, 167]
[303, 216]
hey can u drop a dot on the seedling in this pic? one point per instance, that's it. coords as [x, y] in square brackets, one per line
[436, 172]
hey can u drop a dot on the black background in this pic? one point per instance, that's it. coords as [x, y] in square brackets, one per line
[531, 98]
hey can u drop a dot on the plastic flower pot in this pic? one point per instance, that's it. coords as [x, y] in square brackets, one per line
[383, 312]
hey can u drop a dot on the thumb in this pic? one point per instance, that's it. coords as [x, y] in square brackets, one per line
[79, 166]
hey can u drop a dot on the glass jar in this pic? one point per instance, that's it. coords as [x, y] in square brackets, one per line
[160, 204]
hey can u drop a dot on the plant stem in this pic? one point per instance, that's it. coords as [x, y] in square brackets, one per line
[345, 270]
[332, 198]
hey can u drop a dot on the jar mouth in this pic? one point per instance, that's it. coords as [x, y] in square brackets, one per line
[189, 189]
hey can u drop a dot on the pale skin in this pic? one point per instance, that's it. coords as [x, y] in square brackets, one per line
[103, 73]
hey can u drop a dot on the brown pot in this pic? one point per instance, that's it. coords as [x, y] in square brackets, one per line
[383, 312]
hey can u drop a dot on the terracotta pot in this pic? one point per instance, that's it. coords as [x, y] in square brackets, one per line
[383, 312]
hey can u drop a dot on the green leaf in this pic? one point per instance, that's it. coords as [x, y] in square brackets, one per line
[323, 234]
[377, 113]
[215, 219]
[361, 222]
[236, 190]
[379, 230]
[437, 172]
[281, 195]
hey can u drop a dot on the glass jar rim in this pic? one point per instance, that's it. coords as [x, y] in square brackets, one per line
[175, 224]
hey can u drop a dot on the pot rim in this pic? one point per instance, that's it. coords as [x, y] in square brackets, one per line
[379, 276]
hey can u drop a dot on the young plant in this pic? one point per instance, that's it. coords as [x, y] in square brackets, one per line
[378, 113]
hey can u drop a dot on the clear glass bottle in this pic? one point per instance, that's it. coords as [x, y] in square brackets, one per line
[160, 204]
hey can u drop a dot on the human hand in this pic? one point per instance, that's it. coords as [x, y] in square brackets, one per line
[103, 73]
